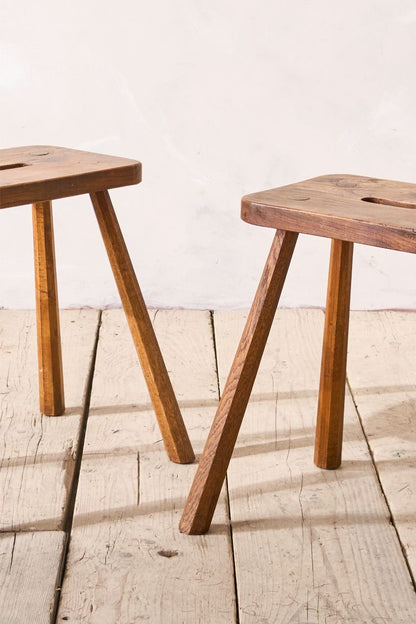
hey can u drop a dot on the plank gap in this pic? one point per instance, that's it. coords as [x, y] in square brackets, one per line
[237, 608]
[128, 562]
[72, 494]
[227, 495]
[383, 493]
[214, 344]
[310, 545]
[67, 522]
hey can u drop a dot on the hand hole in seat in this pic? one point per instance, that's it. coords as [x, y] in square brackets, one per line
[12, 166]
[388, 202]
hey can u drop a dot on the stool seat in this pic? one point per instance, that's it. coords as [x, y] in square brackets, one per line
[349, 209]
[39, 174]
[44, 172]
[345, 207]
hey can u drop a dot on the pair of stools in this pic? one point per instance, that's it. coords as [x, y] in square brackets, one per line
[345, 208]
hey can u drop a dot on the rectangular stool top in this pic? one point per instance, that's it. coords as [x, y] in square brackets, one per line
[347, 207]
[42, 172]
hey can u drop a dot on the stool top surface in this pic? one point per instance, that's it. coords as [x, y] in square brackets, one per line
[42, 172]
[348, 207]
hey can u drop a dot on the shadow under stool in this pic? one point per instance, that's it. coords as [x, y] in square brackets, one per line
[39, 174]
[348, 209]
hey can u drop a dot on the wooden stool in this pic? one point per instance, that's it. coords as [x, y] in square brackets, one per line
[39, 174]
[347, 209]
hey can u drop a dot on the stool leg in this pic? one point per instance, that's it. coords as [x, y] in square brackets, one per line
[163, 398]
[214, 461]
[329, 426]
[51, 386]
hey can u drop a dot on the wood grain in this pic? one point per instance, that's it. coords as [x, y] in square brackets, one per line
[382, 373]
[312, 545]
[51, 384]
[30, 566]
[309, 545]
[127, 561]
[217, 453]
[38, 453]
[333, 206]
[38, 173]
[329, 425]
[163, 398]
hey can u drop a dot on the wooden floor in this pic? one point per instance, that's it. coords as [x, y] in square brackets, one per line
[90, 508]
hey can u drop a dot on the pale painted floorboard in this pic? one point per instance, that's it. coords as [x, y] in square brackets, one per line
[38, 452]
[37, 462]
[311, 546]
[127, 560]
[382, 374]
[30, 567]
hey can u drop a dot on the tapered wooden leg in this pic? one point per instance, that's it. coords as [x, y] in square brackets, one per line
[329, 426]
[214, 461]
[170, 421]
[51, 386]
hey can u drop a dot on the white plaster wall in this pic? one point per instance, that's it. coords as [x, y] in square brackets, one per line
[217, 99]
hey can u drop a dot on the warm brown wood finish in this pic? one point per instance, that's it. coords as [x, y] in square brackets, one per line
[40, 172]
[213, 464]
[346, 207]
[329, 426]
[51, 385]
[163, 398]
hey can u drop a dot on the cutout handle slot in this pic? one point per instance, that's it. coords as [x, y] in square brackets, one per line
[12, 166]
[388, 202]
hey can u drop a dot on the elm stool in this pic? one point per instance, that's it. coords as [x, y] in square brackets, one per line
[348, 209]
[39, 174]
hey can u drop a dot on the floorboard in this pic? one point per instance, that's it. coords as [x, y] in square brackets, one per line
[305, 546]
[310, 545]
[37, 462]
[30, 568]
[382, 374]
[127, 561]
[37, 457]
